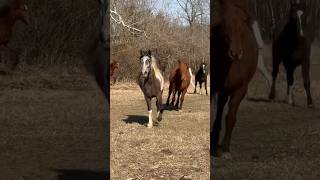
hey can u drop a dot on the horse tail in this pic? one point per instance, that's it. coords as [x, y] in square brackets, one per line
[190, 72]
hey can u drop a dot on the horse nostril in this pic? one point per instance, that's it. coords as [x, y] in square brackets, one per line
[231, 55]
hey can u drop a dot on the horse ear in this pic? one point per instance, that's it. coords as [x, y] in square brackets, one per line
[149, 52]
[141, 52]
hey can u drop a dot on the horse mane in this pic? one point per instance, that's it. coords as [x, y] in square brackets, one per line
[154, 65]
[157, 71]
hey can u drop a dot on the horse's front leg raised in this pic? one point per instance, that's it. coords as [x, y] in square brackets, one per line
[231, 119]
[150, 123]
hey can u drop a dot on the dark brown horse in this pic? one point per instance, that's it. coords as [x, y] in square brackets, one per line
[201, 77]
[179, 78]
[151, 83]
[113, 68]
[9, 14]
[292, 47]
[234, 60]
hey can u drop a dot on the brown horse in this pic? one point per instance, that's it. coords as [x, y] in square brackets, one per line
[179, 78]
[113, 67]
[9, 14]
[234, 62]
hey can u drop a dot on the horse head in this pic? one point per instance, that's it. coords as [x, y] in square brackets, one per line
[234, 21]
[20, 11]
[145, 61]
[204, 67]
[296, 14]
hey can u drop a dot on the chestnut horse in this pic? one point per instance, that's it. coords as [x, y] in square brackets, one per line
[113, 67]
[180, 78]
[234, 62]
[293, 48]
[9, 14]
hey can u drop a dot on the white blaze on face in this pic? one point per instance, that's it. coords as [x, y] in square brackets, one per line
[299, 14]
[203, 68]
[145, 64]
[257, 34]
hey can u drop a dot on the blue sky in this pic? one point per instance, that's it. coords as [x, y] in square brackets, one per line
[170, 7]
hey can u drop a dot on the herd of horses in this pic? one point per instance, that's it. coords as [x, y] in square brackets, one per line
[151, 82]
[234, 59]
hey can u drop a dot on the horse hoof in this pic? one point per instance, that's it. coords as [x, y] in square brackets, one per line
[149, 125]
[159, 118]
[226, 155]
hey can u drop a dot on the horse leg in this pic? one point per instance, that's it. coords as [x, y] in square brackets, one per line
[306, 82]
[263, 69]
[290, 71]
[173, 97]
[178, 99]
[214, 134]
[200, 83]
[150, 123]
[195, 87]
[170, 91]
[275, 71]
[182, 97]
[205, 85]
[231, 118]
[159, 107]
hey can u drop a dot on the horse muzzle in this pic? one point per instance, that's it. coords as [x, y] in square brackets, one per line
[144, 74]
[235, 56]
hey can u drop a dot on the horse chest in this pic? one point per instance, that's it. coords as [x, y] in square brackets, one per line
[149, 88]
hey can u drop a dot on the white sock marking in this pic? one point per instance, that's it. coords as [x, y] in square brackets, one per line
[150, 123]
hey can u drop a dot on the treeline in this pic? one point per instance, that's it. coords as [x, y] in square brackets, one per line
[168, 38]
[60, 32]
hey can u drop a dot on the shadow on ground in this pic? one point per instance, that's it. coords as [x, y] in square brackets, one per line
[143, 120]
[68, 174]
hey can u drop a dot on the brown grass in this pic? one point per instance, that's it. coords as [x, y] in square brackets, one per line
[50, 120]
[178, 147]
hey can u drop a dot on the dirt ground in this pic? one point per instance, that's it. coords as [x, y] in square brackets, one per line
[178, 147]
[52, 127]
[275, 140]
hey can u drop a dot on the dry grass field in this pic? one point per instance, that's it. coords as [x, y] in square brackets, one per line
[177, 148]
[51, 126]
[275, 140]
